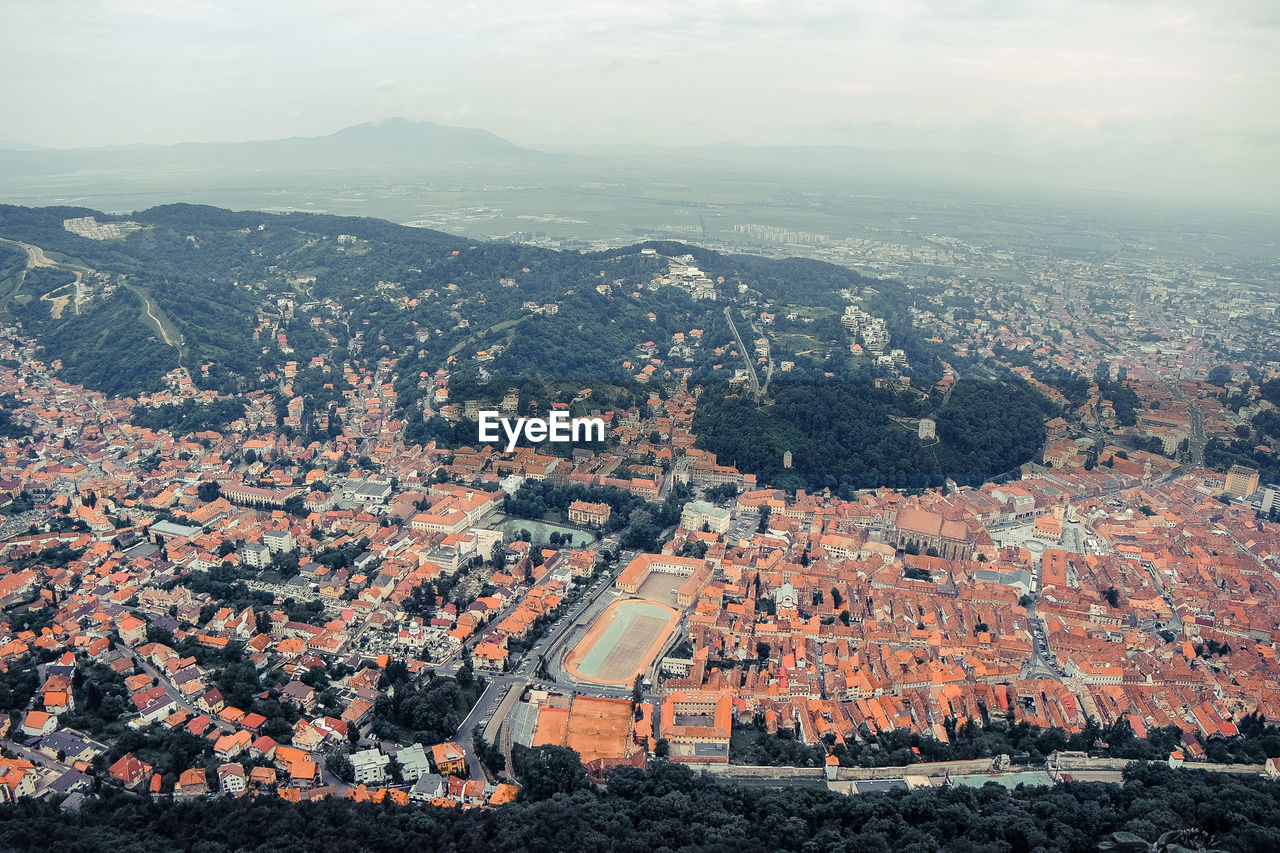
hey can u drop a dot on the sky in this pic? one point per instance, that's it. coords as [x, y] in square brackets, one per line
[1179, 91]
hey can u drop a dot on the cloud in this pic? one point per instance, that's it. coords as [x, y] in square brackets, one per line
[846, 86]
[1172, 77]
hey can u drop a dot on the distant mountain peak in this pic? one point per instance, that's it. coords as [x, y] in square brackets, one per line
[399, 128]
[392, 142]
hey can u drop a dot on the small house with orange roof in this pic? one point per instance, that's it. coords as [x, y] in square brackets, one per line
[38, 723]
[129, 770]
[191, 783]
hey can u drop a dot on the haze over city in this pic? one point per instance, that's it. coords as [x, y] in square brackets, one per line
[1169, 99]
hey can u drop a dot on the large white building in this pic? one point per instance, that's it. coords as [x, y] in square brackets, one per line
[278, 541]
[258, 556]
[370, 765]
[413, 761]
[697, 513]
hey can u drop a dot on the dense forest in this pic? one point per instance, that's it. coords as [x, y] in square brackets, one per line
[844, 436]
[8, 427]
[428, 710]
[670, 808]
[189, 416]
[1219, 455]
[108, 349]
[1123, 399]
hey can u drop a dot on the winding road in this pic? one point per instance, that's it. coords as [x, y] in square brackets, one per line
[168, 341]
[148, 304]
[36, 257]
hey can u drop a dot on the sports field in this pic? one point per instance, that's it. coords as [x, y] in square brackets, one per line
[660, 587]
[622, 642]
[599, 728]
[594, 728]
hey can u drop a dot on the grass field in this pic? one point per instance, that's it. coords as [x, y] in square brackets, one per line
[622, 642]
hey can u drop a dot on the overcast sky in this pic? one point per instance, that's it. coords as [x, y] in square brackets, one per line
[1181, 88]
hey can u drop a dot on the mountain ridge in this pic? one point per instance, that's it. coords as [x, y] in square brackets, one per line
[391, 142]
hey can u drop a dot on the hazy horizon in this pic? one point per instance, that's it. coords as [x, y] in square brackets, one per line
[1145, 96]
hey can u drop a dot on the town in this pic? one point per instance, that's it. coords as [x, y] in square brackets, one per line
[503, 428]
[248, 611]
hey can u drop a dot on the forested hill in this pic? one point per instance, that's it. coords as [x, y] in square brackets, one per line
[853, 435]
[671, 809]
[234, 296]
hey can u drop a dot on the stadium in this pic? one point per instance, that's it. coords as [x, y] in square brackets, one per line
[622, 642]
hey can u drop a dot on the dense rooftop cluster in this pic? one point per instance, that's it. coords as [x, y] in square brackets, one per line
[321, 585]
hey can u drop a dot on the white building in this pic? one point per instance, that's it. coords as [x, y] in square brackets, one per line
[697, 513]
[257, 556]
[413, 761]
[370, 766]
[278, 541]
[430, 786]
[231, 778]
